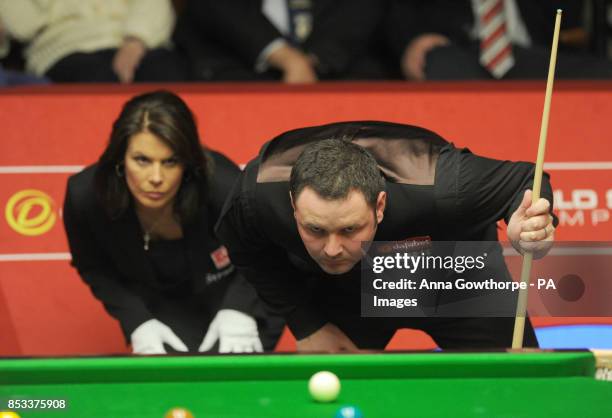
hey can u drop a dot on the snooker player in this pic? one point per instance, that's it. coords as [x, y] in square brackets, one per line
[298, 215]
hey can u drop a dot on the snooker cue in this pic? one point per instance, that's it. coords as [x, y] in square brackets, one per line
[521, 306]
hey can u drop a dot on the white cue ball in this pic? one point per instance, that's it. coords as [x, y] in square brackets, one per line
[324, 386]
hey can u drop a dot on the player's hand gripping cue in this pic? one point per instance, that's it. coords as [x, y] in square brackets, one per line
[235, 331]
[531, 227]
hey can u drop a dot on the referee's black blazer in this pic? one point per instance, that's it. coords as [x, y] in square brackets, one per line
[110, 257]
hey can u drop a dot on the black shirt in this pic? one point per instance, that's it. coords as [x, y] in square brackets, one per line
[433, 189]
[170, 262]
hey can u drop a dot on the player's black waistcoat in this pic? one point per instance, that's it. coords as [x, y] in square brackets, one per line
[422, 184]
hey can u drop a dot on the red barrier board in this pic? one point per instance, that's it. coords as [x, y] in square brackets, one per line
[49, 132]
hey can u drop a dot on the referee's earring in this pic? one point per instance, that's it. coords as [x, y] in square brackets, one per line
[119, 170]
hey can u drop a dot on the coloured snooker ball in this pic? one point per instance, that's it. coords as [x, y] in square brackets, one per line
[178, 413]
[349, 411]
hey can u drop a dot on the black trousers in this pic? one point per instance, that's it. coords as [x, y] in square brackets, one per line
[461, 62]
[158, 65]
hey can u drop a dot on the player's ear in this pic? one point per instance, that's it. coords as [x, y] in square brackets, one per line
[291, 198]
[381, 203]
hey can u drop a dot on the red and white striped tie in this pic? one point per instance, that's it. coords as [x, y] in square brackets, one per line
[495, 46]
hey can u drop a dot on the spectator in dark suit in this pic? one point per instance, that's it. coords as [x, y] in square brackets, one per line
[439, 39]
[297, 41]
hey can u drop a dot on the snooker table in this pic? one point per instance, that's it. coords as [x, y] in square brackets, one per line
[385, 385]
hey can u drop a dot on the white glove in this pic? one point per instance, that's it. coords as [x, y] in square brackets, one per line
[236, 332]
[150, 336]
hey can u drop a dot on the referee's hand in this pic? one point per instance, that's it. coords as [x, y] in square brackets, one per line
[235, 331]
[150, 336]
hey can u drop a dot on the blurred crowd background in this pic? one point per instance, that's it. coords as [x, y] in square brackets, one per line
[297, 41]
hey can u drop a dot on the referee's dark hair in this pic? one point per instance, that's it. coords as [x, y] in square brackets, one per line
[167, 116]
[334, 167]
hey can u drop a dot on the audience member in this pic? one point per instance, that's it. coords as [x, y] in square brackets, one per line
[483, 39]
[95, 40]
[298, 41]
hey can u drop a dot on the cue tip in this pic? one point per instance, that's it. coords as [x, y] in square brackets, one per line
[559, 11]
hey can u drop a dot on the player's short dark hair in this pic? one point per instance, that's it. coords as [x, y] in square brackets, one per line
[334, 167]
[167, 116]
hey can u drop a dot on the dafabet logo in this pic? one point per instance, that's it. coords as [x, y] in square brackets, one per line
[30, 212]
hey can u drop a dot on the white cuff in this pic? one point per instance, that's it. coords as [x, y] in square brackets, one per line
[261, 65]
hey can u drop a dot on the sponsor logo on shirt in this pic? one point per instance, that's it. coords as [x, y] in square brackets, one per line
[412, 245]
[215, 277]
[220, 257]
